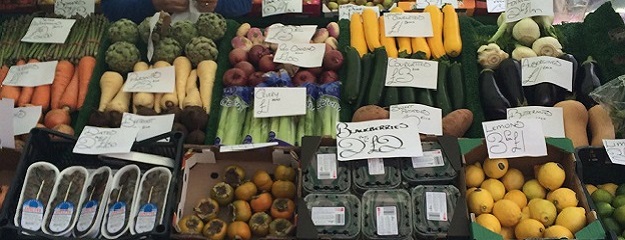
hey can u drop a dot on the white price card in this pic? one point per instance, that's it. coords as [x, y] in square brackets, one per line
[436, 206]
[615, 150]
[515, 138]
[275, 7]
[430, 119]
[386, 221]
[326, 166]
[25, 119]
[429, 159]
[550, 117]
[328, 216]
[378, 139]
[279, 101]
[157, 80]
[31, 74]
[96, 140]
[6, 124]
[519, 9]
[48, 30]
[308, 55]
[346, 10]
[495, 6]
[290, 33]
[541, 69]
[148, 126]
[408, 25]
[403, 72]
[375, 166]
[244, 147]
[439, 3]
[70, 8]
[153, 21]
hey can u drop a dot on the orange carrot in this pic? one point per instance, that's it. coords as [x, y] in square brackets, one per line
[62, 77]
[85, 70]
[41, 97]
[11, 92]
[27, 92]
[70, 95]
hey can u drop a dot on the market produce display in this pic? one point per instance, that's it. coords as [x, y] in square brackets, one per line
[382, 4]
[609, 199]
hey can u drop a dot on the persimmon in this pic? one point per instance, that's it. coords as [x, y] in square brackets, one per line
[283, 189]
[282, 208]
[262, 180]
[261, 202]
[284, 173]
[241, 210]
[215, 229]
[239, 230]
[259, 223]
[246, 191]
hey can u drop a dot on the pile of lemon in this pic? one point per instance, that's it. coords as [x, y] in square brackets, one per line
[505, 203]
[609, 199]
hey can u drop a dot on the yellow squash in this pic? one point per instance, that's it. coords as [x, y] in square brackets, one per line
[387, 42]
[372, 33]
[436, 41]
[357, 34]
[402, 42]
[451, 31]
[419, 44]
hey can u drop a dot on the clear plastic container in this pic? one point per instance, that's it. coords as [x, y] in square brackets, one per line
[387, 214]
[92, 209]
[337, 216]
[433, 168]
[435, 223]
[120, 202]
[61, 213]
[311, 181]
[151, 198]
[36, 192]
[362, 180]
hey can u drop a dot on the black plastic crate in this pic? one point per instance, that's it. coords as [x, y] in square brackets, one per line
[58, 151]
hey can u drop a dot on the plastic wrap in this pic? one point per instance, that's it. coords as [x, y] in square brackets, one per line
[612, 97]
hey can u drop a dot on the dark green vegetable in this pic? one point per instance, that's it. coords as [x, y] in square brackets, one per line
[494, 103]
[424, 96]
[391, 96]
[508, 77]
[442, 99]
[456, 85]
[365, 76]
[588, 79]
[378, 77]
[352, 80]
[407, 95]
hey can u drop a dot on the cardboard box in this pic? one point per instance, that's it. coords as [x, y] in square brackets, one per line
[205, 168]
[558, 150]
[311, 8]
[464, 6]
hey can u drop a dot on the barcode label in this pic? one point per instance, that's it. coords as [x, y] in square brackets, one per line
[326, 166]
[429, 159]
[328, 216]
[436, 204]
[376, 166]
[386, 221]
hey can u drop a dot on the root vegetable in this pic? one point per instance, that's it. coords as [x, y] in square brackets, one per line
[157, 102]
[64, 128]
[192, 99]
[547, 46]
[191, 81]
[98, 119]
[69, 99]
[55, 117]
[256, 36]
[116, 107]
[86, 65]
[178, 127]
[489, 56]
[62, 77]
[370, 112]
[526, 31]
[243, 29]
[183, 68]
[457, 123]
[206, 71]
[193, 118]
[196, 137]
[110, 83]
[332, 43]
[237, 55]
[320, 35]
[25, 96]
[241, 42]
[333, 29]
[145, 111]
[504, 27]
[41, 97]
[143, 99]
[546, 22]
[521, 52]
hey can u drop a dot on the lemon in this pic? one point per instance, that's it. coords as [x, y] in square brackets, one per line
[489, 221]
[533, 189]
[590, 188]
[495, 168]
[618, 215]
[470, 190]
[610, 187]
[507, 233]
[513, 179]
[601, 195]
[474, 175]
[572, 218]
[508, 212]
[543, 211]
[618, 201]
[525, 213]
[529, 228]
[494, 187]
[517, 197]
[558, 232]
[563, 198]
[551, 175]
[480, 201]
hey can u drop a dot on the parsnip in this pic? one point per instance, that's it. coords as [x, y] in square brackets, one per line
[206, 71]
[111, 82]
[183, 68]
[145, 99]
[191, 81]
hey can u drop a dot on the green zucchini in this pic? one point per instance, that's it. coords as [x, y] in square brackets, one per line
[391, 96]
[442, 100]
[352, 80]
[378, 76]
[456, 86]
[424, 96]
[407, 95]
[365, 76]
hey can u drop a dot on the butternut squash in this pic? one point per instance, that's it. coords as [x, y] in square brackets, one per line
[600, 126]
[451, 31]
[419, 44]
[387, 42]
[357, 34]
[575, 122]
[372, 32]
[403, 43]
[436, 41]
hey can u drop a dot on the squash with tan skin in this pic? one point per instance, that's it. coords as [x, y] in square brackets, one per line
[600, 126]
[575, 122]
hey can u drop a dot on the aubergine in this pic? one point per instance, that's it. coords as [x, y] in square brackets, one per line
[546, 95]
[561, 91]
[589, 78]
[508, 77]
[494, 103]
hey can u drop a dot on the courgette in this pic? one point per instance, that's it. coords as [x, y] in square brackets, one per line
[378, 76]
[352, 80]
[442, 100]
[424, 96]
[365, 76]
[391, 96]
[407, 95]
[456, 86]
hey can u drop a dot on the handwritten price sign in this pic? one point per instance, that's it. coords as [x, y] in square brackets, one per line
[31, 74]
[95, 140]
[69, 8]
[550, 117]
[519, 9]
[346, 10]
[408, 25]
[276, 102]
[378, 139]
[293, 34]
[275, 7]
[7, 139]
[541, 69]
[403, 72]
[439, 3]
[514, 138]
[158, 80]
[615, 150]
[48, 30]
[149, 126]
[429, 119]
[25, 119]
[301, 54]
[495, 6]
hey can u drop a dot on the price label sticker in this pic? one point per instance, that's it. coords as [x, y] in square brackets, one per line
[408, 25]
[439, 3]
[275, 7]
[25, 119]
[32, 215]
[308, 55]
[158, 80]
[378, 139]
[61, 217]
[386, 221]
[7, 139]
[346, 10]
[375, 166]
[328, 216]
[615, 150]
[430, 119]
[326, 166]
[551, 118]
[31, 74]
[403, 72]
[519, 9]
[515, 138]
[70, 8]
[291, 34]
[87, 215]
[429, 159]
[96, 140]
[278, 101]
[48, 30]
[148, 126]
[542, 69]
[495, 6]
[436, 204]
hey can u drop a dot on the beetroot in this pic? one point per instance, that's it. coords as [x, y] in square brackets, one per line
[256, 53]
[304, 76]
[235, 77]
[333, 60]
[237, 55]
[255, 78]
[328, 77]
[266, 63]
[246, 66]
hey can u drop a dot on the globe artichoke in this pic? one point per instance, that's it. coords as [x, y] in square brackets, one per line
[123, 30]
[211, 25]
[159, 32]
[184, 31]
[167, 50]
[144, 29]
[200, 49]
[122, 56]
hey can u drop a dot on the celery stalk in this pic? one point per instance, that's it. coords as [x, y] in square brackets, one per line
[328, 108]
[247, 126]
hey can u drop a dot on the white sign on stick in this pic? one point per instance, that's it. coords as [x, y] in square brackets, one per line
[48, 30]
[157, 80]
[149, 126]
[308, 55]
[430, 119]
[615, 150]
[25, 119]
[275, 7]
[514, 138]
[541, 69]
[346, 10]
[69, 8]
[551, 118]
[291, 34]
[403, 72]
[495, 6]
[96, 140]
[31, 74]
[279, 101]
[6, 123]
[519, 9]
[408, 25]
